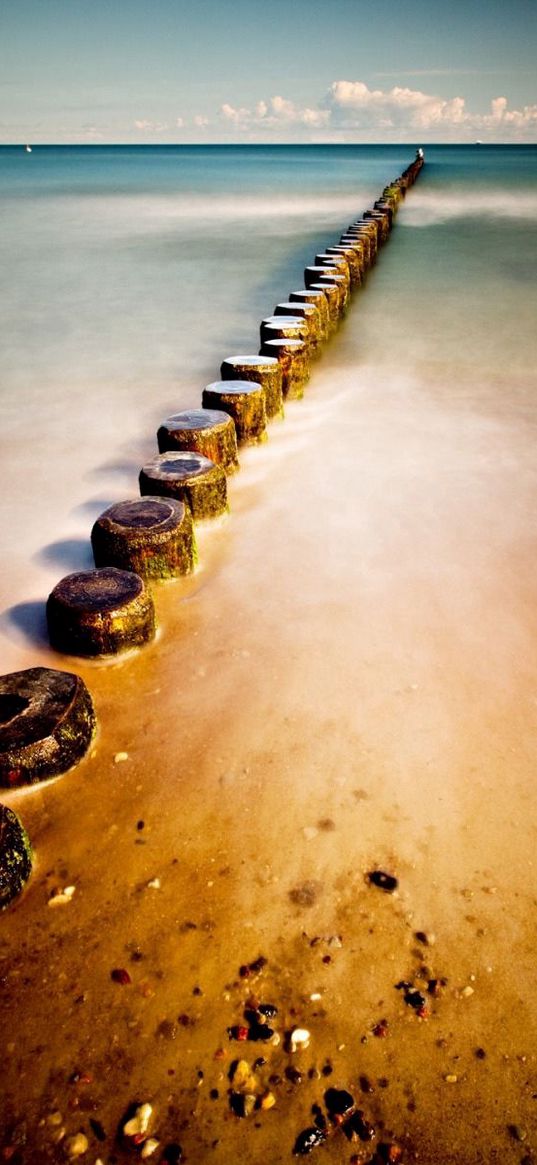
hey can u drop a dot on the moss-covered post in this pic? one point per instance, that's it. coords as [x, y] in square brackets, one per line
[15, 856]
[206, 431]
[152, 536]
[189, 477]
[244, 400]
[100, 612]
[263, 370]
[47, 723]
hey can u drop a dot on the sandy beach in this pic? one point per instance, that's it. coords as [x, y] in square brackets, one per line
[347, 684]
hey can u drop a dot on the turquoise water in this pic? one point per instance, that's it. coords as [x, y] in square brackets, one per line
[128, 274]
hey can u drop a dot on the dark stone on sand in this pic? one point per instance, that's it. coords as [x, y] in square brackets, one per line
[46, 724]
[358, 1126]
[338, 1102]
[383, 881]
[308, 1140]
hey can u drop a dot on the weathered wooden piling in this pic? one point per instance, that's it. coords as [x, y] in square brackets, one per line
[47, 723]
[342, 286]
[362, 245]
[244, 400]
[189, 477]
[319, 300]
[263, 370]
[100, 612]
[293, 358]
[340, 262]
[15, 856]
[207, 431]
[382, 219]
[284, 328]
[152, 536]
[308, 312]
[354, 258]
[332, 295]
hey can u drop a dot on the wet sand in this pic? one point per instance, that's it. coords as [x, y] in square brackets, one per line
[347, 684]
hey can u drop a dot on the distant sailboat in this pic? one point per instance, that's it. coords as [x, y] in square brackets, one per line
[28, 149]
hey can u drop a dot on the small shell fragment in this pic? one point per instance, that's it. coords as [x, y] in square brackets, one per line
[451, 1079]
[120, 756]
[139, 1123]
[150, 1147]
[299, 1039]
[60, 897]
[76, 1146]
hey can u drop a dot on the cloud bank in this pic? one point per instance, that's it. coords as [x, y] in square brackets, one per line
[351, 111]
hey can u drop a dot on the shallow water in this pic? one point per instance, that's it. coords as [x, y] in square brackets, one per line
[347, 683]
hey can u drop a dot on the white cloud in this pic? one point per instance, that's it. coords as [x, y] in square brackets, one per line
[355, 107]
[276, 113]
[145, 125]
[201, 121]
[351, 111]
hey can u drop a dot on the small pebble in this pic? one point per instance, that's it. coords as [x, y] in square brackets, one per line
[150, 1147]
[139, 1123]
[310, 832]
[121, 976]
[76, 1146]
[338, 1101]
[467, 992]
[383, 881]
[517, 1133]
[60, 896]
[451, 1079]
[299, 1039]
[268, 1101]
[119, 757]
[154, 884]
[307, 1140]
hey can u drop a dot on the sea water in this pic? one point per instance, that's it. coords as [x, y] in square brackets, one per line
[129, 273]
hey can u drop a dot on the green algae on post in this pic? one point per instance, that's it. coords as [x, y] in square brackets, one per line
[190, 477]
[47, 723]
[15, 856]
[153, 536]
[207, 431]
[100, 612]
[244, 400]
[263, 370]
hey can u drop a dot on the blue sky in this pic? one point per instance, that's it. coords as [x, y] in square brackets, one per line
[268, 70]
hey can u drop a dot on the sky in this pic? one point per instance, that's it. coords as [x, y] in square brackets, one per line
[268, 71]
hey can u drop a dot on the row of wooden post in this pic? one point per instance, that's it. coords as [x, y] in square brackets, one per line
[47, 719]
